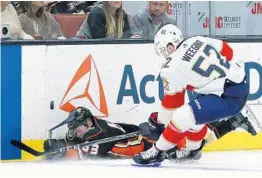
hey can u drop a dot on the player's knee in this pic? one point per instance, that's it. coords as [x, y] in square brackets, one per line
[183, 118]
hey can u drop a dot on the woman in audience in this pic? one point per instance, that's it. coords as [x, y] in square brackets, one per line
[106, 21]
[39, 23]
[9, 17]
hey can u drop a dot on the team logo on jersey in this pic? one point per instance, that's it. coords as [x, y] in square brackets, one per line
[86, 89]
[165, 83]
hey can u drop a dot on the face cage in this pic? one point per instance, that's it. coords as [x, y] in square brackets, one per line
[76, 123]
[70, 134]
[72, 126]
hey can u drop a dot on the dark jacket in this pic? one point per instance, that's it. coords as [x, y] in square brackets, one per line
[94, 26]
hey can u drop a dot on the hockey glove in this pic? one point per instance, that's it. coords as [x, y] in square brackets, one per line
[53, 144]
[155, 127]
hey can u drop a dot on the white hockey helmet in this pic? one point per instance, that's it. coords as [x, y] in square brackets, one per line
[168, 34]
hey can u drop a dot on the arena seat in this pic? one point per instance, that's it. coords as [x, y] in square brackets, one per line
[70, 23]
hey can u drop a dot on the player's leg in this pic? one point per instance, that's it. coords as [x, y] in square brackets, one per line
[244, 120]
[204, 109]
[180, 151]
[215, 108]
[183, 120]
[183, 152]
[221, 128]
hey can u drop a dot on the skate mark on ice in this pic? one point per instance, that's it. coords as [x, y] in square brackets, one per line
[201, 166]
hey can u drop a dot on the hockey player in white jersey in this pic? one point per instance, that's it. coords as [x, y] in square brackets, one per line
[205, 66]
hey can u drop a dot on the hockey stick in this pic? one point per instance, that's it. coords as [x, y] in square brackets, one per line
[24, 147]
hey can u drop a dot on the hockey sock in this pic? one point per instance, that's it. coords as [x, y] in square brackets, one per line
[170, 137]
[194, 139]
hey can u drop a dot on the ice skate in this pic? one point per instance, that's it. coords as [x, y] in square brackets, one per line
[150, 158]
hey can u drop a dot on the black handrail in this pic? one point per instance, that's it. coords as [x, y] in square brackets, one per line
[232, 39]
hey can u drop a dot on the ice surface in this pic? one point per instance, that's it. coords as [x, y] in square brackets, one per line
[213, 164]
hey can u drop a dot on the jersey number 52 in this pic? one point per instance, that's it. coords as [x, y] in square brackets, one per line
[219, 67]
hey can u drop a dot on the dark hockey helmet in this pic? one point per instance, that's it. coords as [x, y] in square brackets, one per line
[79, 116]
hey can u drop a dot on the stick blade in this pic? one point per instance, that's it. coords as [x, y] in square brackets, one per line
[26, 148]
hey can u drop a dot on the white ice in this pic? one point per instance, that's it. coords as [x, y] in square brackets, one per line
[212, 165]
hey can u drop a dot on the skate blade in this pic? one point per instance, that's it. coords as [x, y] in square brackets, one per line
[155, 164]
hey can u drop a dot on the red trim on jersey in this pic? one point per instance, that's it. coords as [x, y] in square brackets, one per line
[197, 136]
[190, 87]
[227, 51]
[174, 101]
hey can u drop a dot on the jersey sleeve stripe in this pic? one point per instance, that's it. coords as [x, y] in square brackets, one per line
[227, 51]
[174, 101]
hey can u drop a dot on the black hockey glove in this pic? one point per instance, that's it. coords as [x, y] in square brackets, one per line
[53, 144]
[155, 128]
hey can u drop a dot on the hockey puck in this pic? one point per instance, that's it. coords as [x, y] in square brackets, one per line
[52, 105]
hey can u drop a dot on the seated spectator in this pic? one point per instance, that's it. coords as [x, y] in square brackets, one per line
[39, 23]
[10, 17]
[148, 21]
[106, 21]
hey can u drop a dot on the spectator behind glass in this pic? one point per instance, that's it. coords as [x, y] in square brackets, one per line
[39, 23]
[9, 17]
[148, 21]
[106, 21]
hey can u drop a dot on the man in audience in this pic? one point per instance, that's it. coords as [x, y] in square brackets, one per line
[148, 21]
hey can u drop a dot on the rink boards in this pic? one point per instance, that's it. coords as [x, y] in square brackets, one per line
[40, 84]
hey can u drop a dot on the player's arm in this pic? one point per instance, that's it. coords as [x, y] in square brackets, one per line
[223, 47]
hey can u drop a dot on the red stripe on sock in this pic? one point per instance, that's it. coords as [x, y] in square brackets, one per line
[172, 135]
[197, 136]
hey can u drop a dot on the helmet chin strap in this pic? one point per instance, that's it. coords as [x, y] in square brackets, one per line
[180, 44]
[166, 54]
